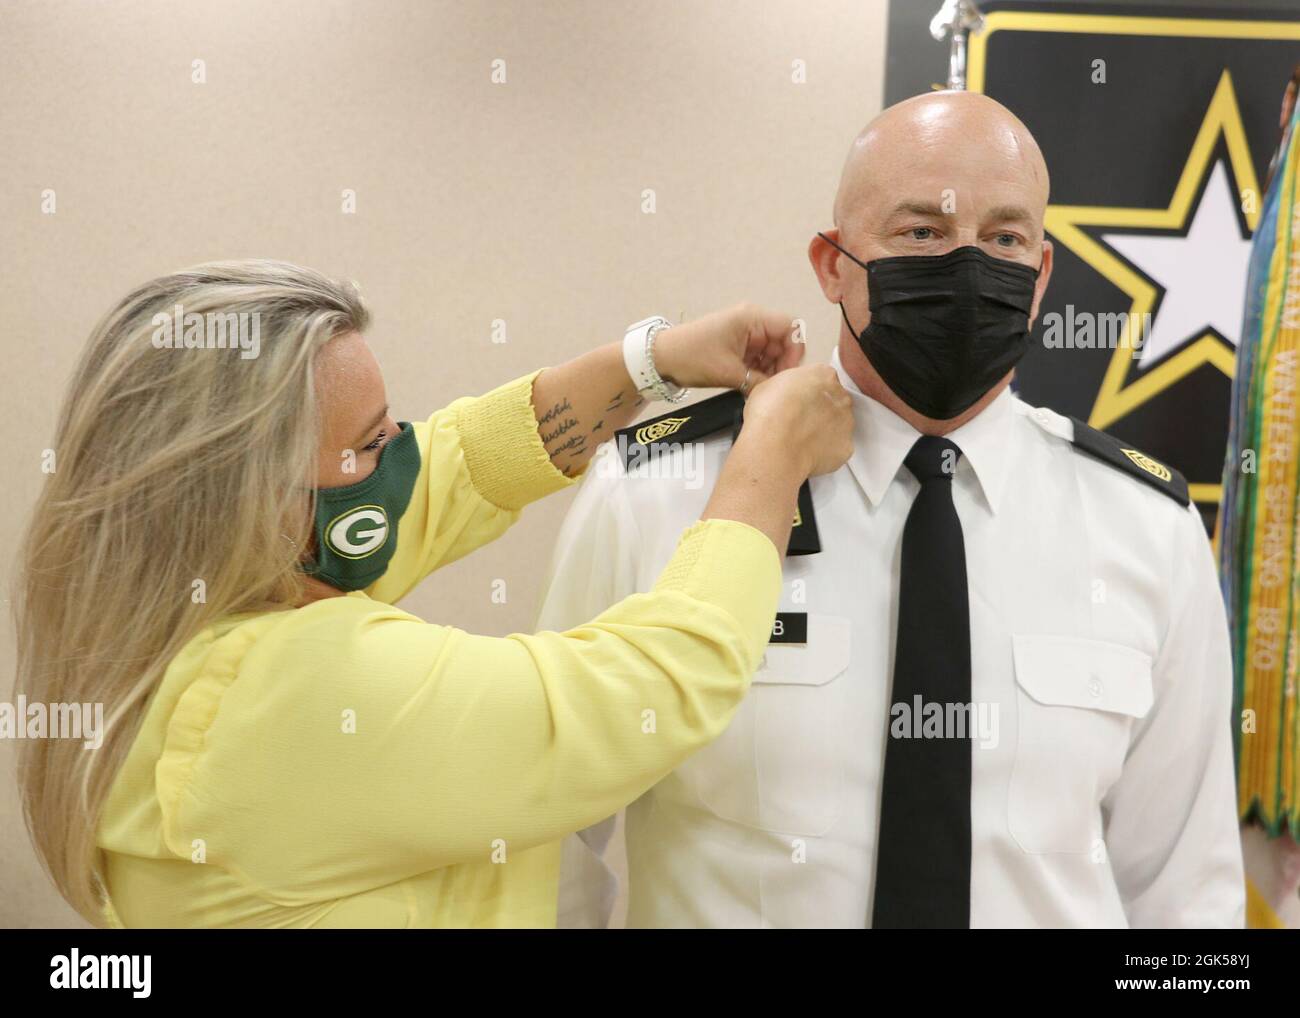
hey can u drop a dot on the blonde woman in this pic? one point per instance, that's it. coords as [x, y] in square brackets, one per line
[216, 559]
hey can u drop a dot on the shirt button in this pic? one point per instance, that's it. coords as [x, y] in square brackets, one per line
[1094, 687]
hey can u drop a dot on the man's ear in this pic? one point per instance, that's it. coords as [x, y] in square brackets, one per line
[1040, 287]
[826, 263]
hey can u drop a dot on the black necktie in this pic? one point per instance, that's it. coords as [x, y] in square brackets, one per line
[923, 851]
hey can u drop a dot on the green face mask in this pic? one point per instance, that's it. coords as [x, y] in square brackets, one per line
[356, 525]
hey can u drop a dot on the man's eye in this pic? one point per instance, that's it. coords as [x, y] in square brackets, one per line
[376, 443]
[917, 232]
[1007, 239]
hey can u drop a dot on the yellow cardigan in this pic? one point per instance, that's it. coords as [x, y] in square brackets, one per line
[348, 764]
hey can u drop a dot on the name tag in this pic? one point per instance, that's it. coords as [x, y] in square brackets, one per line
[790, 627]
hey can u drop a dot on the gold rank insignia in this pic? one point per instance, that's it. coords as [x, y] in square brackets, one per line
[640, 444]
[657, 431]
[1148, 464]
[1112, 451]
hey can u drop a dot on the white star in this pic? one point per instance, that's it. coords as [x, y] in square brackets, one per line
[1203, 274]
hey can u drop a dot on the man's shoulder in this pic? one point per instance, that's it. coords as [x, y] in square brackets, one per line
[685, 444]
[660, 471]
[669, 433]
[1109, 464]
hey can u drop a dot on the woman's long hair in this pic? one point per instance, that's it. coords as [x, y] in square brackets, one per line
[180, 493]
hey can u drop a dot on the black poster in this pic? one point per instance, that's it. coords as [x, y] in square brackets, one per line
[1157, 129]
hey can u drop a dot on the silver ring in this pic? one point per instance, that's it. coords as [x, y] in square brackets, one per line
[745, 384]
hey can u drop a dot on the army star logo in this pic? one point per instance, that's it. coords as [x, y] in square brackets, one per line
[1214, 344]
[1182, 267]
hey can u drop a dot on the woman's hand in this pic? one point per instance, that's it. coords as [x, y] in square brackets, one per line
[804, 416]
[580, 404]
[717, 350]
[798, 423]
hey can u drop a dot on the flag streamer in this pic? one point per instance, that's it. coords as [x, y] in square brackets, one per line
[1257, 539]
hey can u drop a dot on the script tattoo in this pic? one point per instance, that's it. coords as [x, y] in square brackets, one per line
[555, 411]
[573, 448]
[568, 425]
[576, 446]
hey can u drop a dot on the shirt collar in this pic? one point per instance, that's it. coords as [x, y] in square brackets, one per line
[882, 440]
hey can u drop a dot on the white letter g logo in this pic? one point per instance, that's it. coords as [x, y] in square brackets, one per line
[358, 532]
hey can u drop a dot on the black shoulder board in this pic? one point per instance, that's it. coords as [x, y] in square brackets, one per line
[804, 539]
[1111, 450]
[642, 442]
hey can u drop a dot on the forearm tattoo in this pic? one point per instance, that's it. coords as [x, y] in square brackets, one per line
[567, 441]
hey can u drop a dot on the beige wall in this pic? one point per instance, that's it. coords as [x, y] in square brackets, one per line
[475, 201]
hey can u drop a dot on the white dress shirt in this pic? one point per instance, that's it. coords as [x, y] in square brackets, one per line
[1102, 789]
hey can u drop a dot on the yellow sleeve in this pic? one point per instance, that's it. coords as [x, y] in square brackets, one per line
[481, 462]
[460, 742]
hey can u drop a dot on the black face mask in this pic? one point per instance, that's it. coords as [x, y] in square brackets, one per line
[944, 328]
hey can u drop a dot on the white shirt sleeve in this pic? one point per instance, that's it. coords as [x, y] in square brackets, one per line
[1171, 819]
[594, 565]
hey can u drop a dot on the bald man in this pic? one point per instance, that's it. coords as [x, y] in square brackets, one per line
[998, 688]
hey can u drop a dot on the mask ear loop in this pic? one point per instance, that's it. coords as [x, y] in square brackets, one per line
[841, 250]
[844, 314]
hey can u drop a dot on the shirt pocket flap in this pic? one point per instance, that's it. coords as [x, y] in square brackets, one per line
[1071, 671]
[815, 663]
